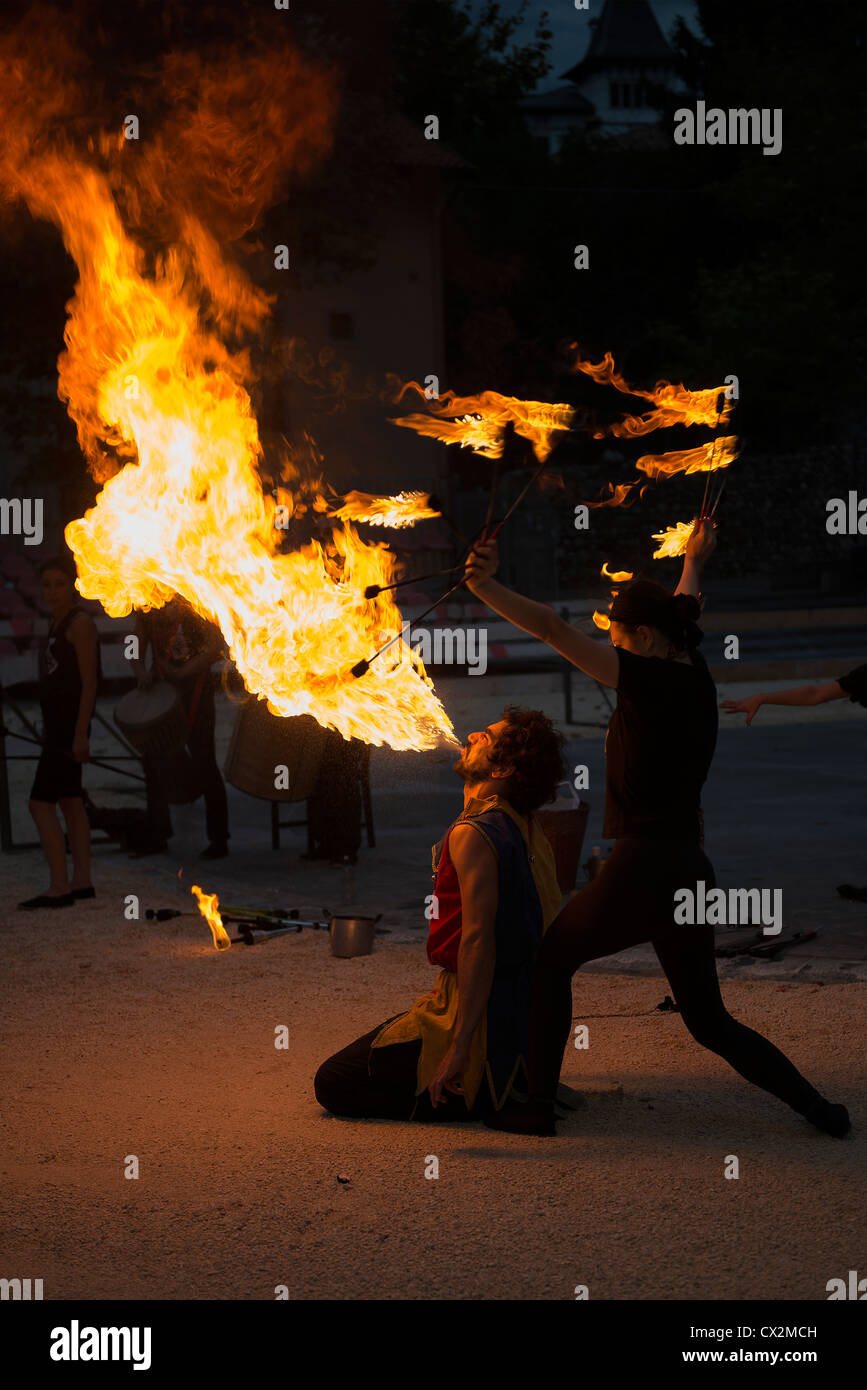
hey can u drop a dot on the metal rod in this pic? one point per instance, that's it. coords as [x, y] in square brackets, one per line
[719, 494]
[373, 590]
[115, 733]
[719, 411]
[495, 483]
[521, 495]
[362, 667]
[67, 753]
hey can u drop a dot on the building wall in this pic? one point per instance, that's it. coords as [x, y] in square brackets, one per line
[388, 319]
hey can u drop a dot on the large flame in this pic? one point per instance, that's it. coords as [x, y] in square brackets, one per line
[159, 390]
[707, 458]
[479, 422]
[209, 906]
[673, 405]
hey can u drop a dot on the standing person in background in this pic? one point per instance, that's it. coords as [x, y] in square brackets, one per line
[68, 681]
[185, 647]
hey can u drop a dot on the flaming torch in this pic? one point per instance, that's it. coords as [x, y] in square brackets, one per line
[209, 906]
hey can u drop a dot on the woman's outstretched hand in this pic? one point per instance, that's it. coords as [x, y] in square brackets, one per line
[750, 707]
[481, 564]
[702, 541]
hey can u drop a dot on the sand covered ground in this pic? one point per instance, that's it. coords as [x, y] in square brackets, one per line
[138, 1039]
[129, 1038]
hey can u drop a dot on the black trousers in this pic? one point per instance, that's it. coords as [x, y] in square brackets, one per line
[632, 901]
[365, 1083]
[200, 742]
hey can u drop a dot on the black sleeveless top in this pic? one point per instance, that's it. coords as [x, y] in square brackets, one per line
[59, 676]
[660, 743]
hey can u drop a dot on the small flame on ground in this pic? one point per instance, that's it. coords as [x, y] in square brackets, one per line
[209, 905]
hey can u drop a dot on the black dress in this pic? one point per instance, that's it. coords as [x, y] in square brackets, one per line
[58, 775]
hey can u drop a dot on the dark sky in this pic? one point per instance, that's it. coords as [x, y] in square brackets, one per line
[571, 27]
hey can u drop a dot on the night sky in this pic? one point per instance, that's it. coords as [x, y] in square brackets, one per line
[572, 32]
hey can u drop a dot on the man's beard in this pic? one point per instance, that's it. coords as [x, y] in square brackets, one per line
[470, 776]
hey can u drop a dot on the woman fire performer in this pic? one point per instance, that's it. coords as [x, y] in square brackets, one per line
[659, 746]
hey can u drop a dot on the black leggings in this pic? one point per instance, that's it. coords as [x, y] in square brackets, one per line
[631, 901]
[378, 1083]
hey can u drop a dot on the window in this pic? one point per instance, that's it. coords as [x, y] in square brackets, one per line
[614, 93]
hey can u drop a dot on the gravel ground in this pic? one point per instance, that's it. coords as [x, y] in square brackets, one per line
[133, 1038]
[138, 1039]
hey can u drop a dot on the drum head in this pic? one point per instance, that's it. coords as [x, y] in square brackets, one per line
[141, 707]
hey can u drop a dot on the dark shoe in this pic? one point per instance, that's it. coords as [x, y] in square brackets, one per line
[215, 851]
[832, 1119]
[81, 893]
[45, 900]
[537, 1117]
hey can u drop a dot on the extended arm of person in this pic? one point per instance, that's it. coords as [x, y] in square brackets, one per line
[594, 658]
[476, 867]
[699, 548]
[800, 695]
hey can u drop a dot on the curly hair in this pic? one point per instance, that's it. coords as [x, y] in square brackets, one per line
[534, 748]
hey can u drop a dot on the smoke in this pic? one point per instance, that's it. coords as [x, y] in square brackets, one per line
[215, 141]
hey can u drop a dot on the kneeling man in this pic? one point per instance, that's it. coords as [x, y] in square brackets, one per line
[458, 1051]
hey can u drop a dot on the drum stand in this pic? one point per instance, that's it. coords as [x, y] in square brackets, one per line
[7, 842]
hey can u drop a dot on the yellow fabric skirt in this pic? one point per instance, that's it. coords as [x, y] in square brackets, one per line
[433, 1017]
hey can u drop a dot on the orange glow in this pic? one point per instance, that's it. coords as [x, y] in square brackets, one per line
[618, 493]
[159, 389]
[479, 422]
[209, 907]
[673, 539]
[706, 458]
[403, 510]
[673, 405]
[619, 576]
[602, 621]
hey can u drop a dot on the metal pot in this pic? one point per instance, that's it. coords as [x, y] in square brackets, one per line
[353, 936]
